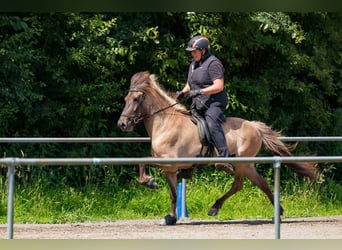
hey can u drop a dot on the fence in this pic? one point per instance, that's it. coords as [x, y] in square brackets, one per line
[12, 162]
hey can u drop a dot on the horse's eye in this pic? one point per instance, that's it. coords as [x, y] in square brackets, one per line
[135, 99]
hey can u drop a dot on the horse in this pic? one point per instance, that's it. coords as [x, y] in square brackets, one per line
[173, 134]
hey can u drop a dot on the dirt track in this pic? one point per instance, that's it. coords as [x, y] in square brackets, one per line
[303, 228]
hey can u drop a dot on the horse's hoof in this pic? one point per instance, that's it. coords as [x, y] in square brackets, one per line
[170, 220]
[213, 211]
[226, 167]
[152, 184]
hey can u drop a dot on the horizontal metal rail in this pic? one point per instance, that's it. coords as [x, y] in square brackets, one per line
[308, 138]
[129, 161]
[131, 139]
[73, 139]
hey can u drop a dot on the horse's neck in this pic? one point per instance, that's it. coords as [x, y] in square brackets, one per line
[156, 116]
[161, 122]
[166, 122]
[158, 122]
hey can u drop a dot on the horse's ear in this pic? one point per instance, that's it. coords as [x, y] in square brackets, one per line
[153, 77]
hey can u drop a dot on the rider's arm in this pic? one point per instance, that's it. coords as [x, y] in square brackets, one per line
[186, 89]
[216, 87]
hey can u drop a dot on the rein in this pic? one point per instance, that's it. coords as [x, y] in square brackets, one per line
[140, 117]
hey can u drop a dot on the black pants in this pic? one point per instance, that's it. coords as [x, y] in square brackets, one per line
[214, 117]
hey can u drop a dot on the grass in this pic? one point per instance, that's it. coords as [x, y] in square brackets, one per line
[37, 203]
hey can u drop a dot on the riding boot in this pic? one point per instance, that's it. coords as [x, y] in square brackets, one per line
[227, 167]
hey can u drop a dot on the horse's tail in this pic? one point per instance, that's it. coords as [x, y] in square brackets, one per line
[277, 147]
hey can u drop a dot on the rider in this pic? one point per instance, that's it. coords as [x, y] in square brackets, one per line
[205, 85]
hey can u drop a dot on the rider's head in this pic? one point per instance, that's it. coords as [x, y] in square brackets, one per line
[198, 42]
[198, 45]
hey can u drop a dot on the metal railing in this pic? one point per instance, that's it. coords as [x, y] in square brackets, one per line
[132, 139]
[12, 162]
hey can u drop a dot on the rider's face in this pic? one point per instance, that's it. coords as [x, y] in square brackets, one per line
[196, 54]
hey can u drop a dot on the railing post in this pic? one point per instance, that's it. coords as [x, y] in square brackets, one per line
[276, 166]
[10, 201]
[183, 198]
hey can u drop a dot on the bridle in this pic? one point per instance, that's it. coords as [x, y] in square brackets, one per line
[140, 117]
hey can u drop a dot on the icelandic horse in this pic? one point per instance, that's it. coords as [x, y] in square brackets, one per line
[173, 135]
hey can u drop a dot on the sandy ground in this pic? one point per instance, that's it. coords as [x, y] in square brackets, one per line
[300, 228]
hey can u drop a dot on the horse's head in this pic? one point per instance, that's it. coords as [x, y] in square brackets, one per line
[132, 112]
[145, 99]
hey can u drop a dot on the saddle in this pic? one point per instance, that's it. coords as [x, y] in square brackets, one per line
[204, 134]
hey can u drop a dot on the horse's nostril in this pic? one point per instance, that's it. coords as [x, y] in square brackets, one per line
[123, 125]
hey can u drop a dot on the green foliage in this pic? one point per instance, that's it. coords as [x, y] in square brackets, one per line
[279, 22]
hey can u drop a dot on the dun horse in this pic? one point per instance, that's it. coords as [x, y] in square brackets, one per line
[173, 134]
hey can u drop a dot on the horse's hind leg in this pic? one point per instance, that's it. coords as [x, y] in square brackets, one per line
[237, 186]
[256, 178]
[146, 180]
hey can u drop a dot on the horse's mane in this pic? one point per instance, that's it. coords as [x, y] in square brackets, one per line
[149, 83]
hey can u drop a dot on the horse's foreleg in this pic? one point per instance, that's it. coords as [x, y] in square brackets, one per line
[256, 178]
[237, 186]
[146, 180]
[171, 218]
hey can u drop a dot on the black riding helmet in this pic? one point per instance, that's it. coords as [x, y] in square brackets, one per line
[198, 42]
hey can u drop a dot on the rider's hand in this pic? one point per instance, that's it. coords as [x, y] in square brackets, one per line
[196, 92]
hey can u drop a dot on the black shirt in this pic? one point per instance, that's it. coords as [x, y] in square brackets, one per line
[201, 76]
